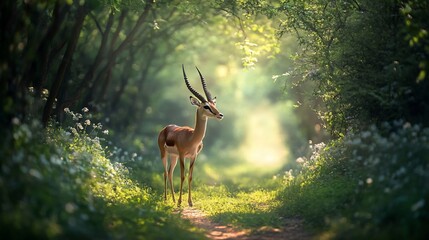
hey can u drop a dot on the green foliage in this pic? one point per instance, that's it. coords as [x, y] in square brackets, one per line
[59, 184]
[372, 184]
[358, 55]
[416, 28]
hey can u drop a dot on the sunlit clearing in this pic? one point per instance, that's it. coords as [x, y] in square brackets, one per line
[264, 141]
[222, 71]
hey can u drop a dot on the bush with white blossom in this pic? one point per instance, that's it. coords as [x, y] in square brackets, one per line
[371, 184]
[58, 183]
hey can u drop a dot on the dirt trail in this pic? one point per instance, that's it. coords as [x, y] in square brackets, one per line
[292, 229]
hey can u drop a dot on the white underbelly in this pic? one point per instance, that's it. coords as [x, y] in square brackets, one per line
[172, 150]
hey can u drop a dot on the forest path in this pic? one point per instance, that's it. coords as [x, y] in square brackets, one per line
[292, 228]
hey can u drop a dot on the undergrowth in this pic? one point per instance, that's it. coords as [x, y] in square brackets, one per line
[59, 183]
[368, 185]
[64, 183]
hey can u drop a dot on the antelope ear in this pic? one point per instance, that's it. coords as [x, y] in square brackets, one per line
[214, 100]
[195, 101]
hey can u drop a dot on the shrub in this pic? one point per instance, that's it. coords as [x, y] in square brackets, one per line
[371, 184]
[58, 184]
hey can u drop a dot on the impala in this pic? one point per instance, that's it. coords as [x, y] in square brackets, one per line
[186, 142]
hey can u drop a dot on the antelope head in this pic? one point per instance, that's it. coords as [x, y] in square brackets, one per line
[206, 106]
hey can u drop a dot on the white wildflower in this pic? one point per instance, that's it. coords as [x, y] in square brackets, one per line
[35, 173]
[288, 175]
[56, 160]
[74, 131]
[407, 125]
[300, 160]
[369, 181]
[45, 92]
[85, 110]
[15, 121]
[87, 122]
[70, 207]
[416, 206]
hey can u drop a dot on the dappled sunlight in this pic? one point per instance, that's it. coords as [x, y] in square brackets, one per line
[211, 173]
[263, 146]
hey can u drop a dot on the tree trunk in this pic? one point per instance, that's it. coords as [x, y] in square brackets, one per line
[38, 71]
[89, 75]
[65, 63]
[106, 72]
[124, 80]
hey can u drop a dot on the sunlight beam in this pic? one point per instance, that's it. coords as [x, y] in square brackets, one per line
[264, 142]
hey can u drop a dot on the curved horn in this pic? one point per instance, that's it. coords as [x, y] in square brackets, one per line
[203, 82]
[196, 94]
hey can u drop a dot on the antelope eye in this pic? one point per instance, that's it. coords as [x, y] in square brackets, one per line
[207, 107]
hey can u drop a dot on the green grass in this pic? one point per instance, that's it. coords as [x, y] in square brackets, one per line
[314, 200]
[249, 208]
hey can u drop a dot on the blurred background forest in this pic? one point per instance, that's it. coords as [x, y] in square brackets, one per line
[122, 61]
[98, 79]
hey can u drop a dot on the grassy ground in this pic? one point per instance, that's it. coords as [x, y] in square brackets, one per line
[244, 208]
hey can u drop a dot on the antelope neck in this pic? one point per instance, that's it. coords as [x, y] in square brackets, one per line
[200, 127]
